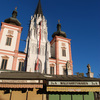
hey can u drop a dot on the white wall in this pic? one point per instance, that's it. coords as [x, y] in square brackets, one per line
[60, 51]
[4, 37]
[23, 57]
[9, 63]
[52, 61]
[53, 50]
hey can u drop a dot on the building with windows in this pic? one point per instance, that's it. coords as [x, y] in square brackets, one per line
[40, 55]
[44, 71]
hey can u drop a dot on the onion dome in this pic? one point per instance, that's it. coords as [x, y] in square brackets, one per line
[59, 32]
[13, 20]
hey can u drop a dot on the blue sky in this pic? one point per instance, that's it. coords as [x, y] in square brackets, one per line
[80, 19]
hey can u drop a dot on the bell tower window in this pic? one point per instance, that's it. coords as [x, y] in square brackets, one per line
[9, 40]
[63, 52]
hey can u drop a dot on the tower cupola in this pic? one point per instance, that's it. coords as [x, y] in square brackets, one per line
[13, 20]
[59, 32]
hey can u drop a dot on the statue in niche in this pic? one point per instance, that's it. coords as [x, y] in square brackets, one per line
[68, 65]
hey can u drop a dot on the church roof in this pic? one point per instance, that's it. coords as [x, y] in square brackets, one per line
[13, 20]
[39, 9]
[39, 76]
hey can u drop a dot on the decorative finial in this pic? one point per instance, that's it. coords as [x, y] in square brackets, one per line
[59, 21]
[58, 26]
[16, 9]
[14, 13]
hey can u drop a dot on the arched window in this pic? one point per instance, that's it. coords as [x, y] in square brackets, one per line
[39, 66]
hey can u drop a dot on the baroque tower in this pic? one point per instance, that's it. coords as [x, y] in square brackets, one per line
[37, 44]
[61, 59]
[10, 57]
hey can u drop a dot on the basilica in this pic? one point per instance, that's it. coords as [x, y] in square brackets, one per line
[44, 70]
[40, 55]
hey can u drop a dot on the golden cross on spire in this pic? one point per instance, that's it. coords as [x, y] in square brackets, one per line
[59, 21]
[15, 8]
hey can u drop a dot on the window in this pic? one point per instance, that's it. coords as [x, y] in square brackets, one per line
[52, 70]
[64, 71]
[4, 63]
[21, 66]
[64, 52]
[8, 41]
[39, 67]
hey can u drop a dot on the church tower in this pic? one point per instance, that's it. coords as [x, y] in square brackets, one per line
[37, 44]
[61, 59]
[9, 43]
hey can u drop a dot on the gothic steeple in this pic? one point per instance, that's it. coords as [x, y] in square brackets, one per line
[39, 9]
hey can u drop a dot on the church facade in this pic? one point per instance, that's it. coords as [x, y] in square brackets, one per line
[40, 55]
[44, 71]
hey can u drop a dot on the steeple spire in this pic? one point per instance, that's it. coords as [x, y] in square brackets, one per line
[39, 9]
